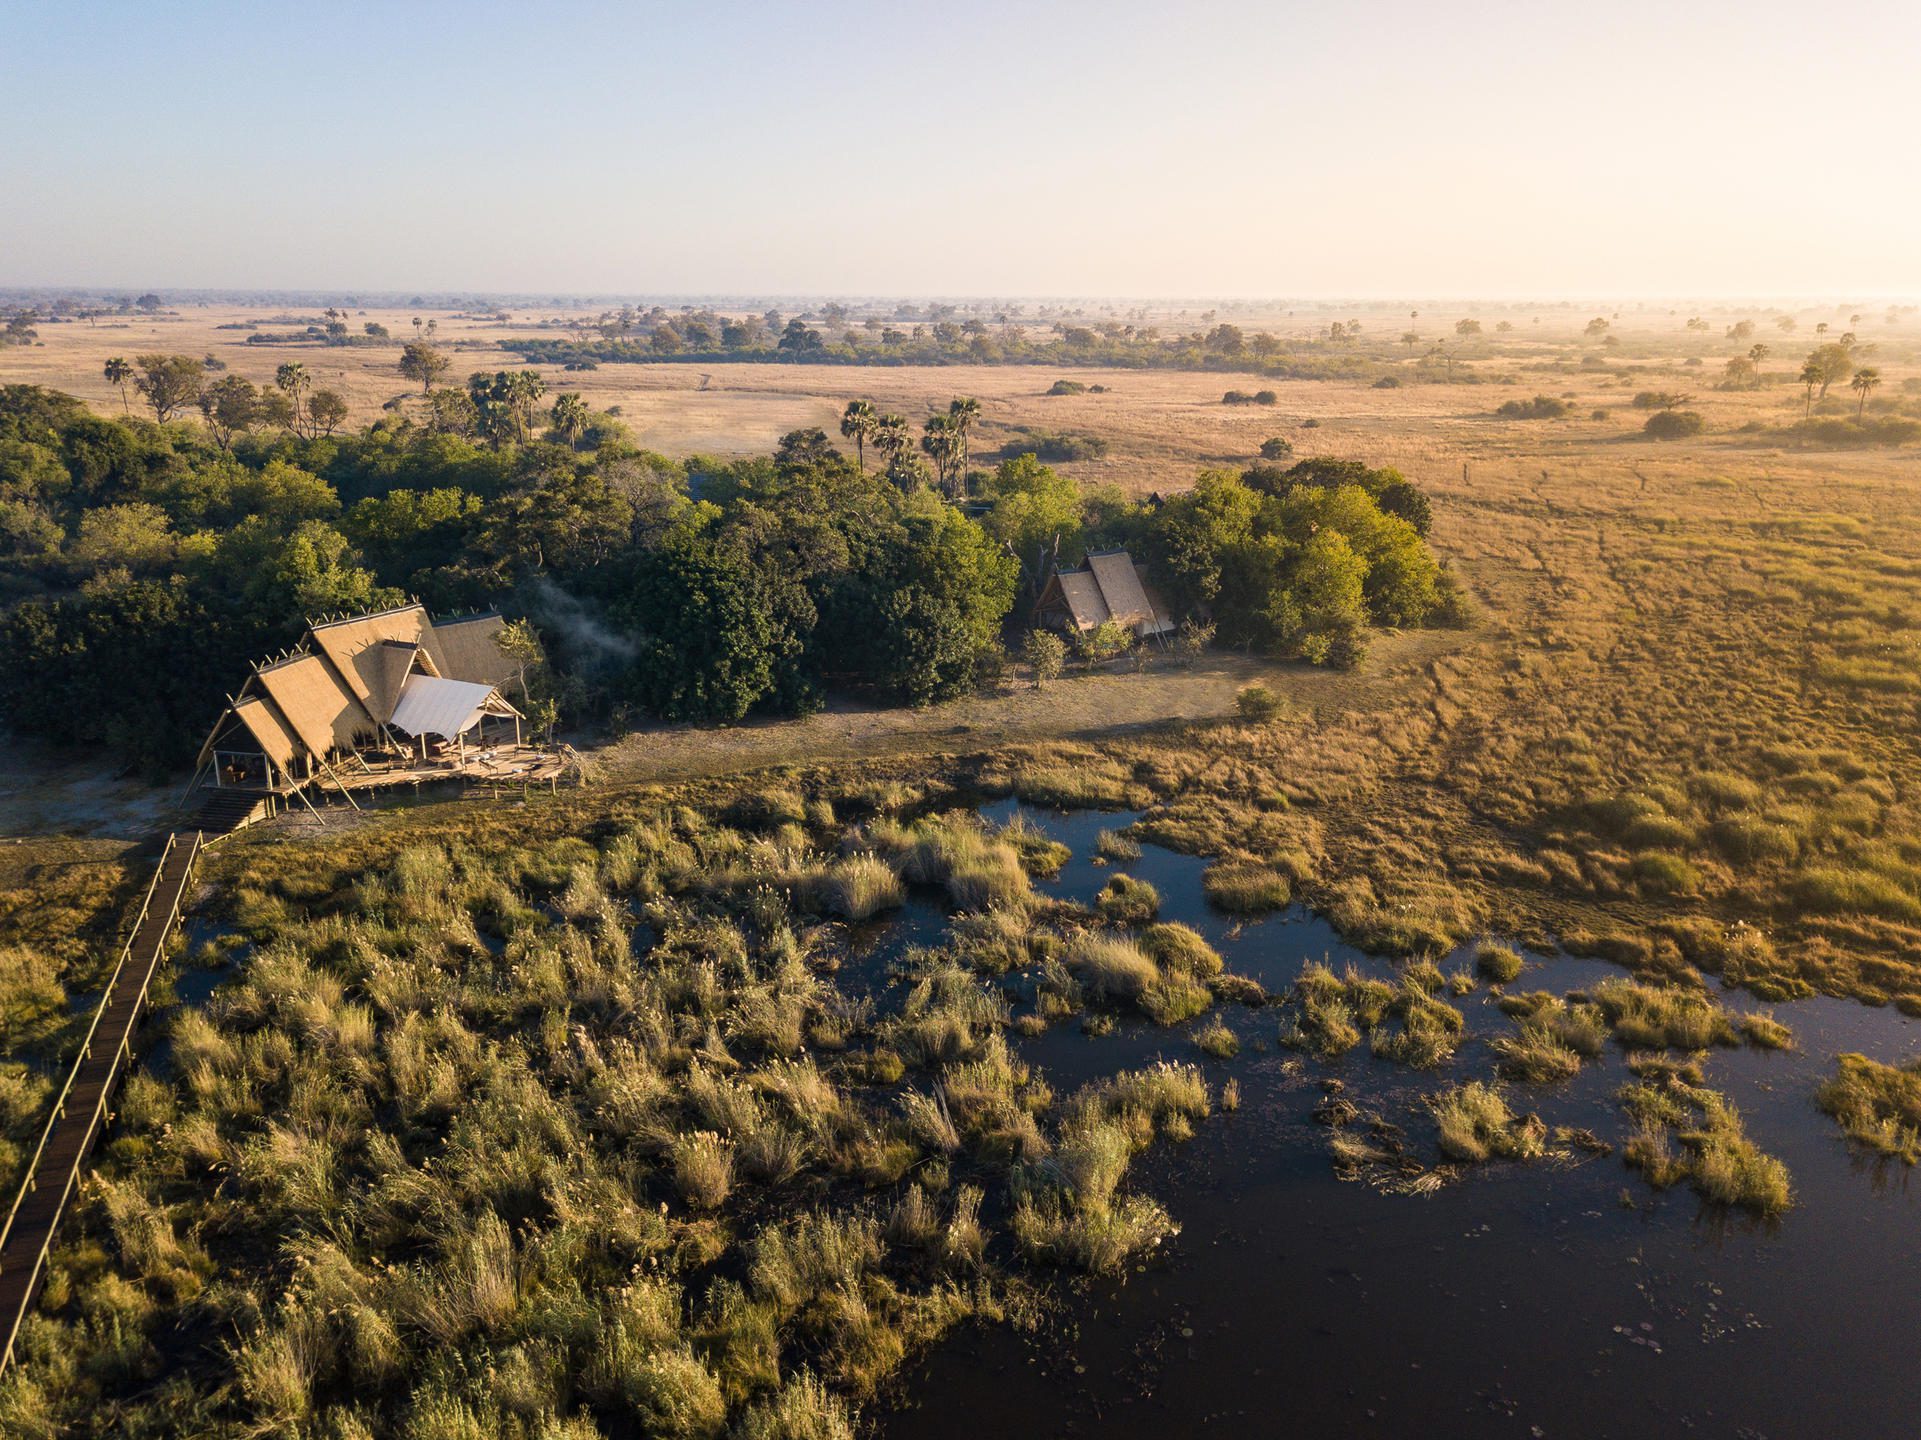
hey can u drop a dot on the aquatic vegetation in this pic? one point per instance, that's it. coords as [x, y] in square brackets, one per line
[1687, 1133]
[1125, 900]
[1764, 1032]
[1877, 1106]
[858, 887]
[518, 1085]
[1402, 1022]
[1419, 1030]
[1180, 948]
[1117, 845]
[1476, 1123]
[1217, 1040]
[1498, 963]
[1173, 997]
[979, 870]
[1246, 887]
[1040, 853]
[1655, 1017]
[1553, 1036]
[1110, 967]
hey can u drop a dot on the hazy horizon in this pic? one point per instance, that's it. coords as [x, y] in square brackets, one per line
[1495, 152]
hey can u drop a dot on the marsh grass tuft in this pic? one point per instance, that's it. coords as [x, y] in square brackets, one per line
[1246, 887]
[1877, 1106]
[1475, 1123]
[1687, 1133]
[1125, 900]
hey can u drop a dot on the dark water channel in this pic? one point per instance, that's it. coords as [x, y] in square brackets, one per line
[1535, 1299]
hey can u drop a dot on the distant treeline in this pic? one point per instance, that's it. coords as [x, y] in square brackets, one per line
[144, 565]
[713, 340]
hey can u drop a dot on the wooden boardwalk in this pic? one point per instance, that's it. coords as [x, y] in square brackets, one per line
[80, 1113]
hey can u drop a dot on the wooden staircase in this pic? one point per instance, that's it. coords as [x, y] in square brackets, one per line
[221, 812]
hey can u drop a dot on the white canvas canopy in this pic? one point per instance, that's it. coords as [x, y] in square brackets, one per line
[430, 705]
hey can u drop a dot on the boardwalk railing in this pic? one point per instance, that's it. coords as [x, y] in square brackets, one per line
[64, 1145]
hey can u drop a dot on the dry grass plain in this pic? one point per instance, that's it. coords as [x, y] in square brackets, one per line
[1160, 425]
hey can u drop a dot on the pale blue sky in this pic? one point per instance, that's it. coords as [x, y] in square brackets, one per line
[1198, 149]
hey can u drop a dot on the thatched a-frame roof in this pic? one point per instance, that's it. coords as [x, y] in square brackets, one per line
[469, 649]
[352, 646]
[260, 721]
[391, 662]
[310, 699]
[1110, 586]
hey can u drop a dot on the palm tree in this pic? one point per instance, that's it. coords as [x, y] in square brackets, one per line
[524, 388]
[1865, 379]
[857, 422]
[1811, 376]
[892, 436]
[571, 417]
[1758, 353]
[964, 412]
[941, 439]
[119, 372]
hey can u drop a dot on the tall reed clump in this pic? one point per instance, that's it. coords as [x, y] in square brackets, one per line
[1877, 1106]
[1405, 1022]
[1552, 1037]
[858, 887]
[1118, 972]
[1067, 1209]
[978, 870]
[1246, 887]
[1653, 1017]
[1687, 1133]
[1475, 1123]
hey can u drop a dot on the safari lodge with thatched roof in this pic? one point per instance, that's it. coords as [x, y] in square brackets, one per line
[365, 701]
[1108, 588]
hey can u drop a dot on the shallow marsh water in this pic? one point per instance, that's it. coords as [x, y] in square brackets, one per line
[1548, 1298]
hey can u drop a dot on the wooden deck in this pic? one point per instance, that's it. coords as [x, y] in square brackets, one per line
[80, 1113]
[495, 765]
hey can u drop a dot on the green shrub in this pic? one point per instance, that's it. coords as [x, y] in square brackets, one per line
[1257, 704]
[1541, 407]
[1674, 424]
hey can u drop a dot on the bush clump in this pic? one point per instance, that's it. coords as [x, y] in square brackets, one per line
[1673, 424]
[1541, 407]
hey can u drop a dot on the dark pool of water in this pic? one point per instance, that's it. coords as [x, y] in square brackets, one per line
[1543, 1299]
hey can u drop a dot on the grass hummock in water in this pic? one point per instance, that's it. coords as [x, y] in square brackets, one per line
[1476, 1123]
[1125, 900]
[1245, 887]
[1878, 1106]
[1687, 1133]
